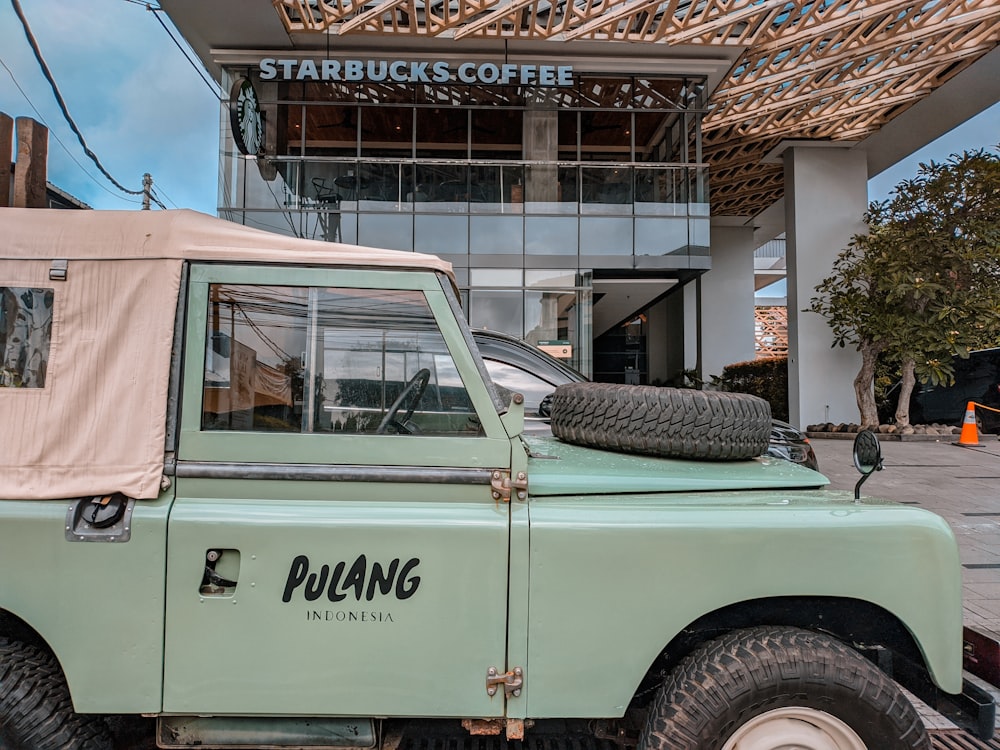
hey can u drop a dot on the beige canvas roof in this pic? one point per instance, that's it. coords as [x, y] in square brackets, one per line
[98, 423]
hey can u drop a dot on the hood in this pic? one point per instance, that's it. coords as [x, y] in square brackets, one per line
[558, 468]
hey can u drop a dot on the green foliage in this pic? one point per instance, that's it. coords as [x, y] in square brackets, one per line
[924, 283]
[767, 378]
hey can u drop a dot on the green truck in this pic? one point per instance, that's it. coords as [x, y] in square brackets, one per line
[261, 492]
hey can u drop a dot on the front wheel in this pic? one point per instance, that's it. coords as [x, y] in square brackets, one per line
[780, 688]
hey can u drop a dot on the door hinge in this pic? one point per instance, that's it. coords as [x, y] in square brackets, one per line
[502, 485]
[512, 681]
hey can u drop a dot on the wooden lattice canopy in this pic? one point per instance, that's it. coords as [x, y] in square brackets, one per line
[810, 69]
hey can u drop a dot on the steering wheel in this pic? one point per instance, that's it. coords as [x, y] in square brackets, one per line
[412, 391]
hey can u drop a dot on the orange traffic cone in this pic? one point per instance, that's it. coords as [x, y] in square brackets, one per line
[970, 435]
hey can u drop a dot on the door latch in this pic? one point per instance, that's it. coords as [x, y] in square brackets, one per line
[502, 485]
[512, 681]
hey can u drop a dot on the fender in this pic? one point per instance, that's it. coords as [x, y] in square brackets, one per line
[98, 605]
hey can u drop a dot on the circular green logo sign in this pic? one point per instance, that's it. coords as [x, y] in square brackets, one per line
[245, 117]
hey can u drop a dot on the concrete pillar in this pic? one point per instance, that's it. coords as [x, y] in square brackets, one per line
[6, 157]
[32, 161]
[727, 304]
[826, 195]
[692, 325]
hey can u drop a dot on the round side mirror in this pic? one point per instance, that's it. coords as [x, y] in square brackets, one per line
[867, 452]
[867, 457]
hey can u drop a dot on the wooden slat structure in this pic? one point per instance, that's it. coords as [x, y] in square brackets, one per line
[811, 69]
[770, 331]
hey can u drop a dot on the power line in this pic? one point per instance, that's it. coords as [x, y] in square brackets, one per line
[197, 69]
[62, 104]
[59, 140]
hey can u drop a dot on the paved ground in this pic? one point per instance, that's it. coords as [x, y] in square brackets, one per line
[962, 485]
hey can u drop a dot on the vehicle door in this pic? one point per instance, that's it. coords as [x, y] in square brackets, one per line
[335, 546]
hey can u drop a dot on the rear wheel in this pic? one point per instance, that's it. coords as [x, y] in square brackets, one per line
[36, 712]
[776, 689]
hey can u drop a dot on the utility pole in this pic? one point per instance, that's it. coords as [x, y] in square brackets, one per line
[147, 186]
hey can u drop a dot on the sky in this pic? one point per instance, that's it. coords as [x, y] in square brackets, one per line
[142, 107]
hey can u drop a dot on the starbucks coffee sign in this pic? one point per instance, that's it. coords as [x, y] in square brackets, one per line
[245, 118]
[404, 71]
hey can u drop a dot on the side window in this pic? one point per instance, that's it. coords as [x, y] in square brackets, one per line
[330, 360]
[529, 385]
[25, 336]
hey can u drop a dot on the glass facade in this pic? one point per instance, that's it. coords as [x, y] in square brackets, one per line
[524, 189]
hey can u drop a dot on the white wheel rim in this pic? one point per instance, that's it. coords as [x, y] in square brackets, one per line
[795, 728]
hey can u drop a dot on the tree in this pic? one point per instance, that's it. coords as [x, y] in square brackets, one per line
[924, 284]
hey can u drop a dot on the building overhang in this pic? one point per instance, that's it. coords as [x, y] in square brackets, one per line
[886, 76]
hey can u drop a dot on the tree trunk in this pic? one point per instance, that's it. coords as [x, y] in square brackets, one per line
[864, 384]
[905, 391]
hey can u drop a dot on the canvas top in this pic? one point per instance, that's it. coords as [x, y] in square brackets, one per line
[182, 234]
[85, 359]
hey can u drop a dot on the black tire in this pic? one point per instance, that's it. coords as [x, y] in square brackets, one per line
[36, 712]
[741, 681]
[672, 422]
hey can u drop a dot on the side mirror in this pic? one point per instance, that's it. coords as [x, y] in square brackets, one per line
[867, 458]
[545, 406]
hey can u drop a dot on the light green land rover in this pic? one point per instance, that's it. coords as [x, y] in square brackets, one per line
[262, 492]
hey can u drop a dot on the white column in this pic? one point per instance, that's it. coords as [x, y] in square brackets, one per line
[727, 304]
[826, 195]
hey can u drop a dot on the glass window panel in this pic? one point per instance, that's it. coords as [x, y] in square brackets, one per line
[516, 380]
[436, 234]
[381, 183]
[392, 231]
[442, 133]
[551, 235]
[25, 335]
[546, 315]
[387, 131]
[606, 93]
[290, 120]
[326, 91]
[504, 96]
[450, 95]
[661, 236]
[498, 311]
[651, 131]
[604, 235]
[331, 130]
[568, 142]
[385, 368]
[291, 359]
[497, 133]
[606, 190]
[495, 188]
[698, 231]
[386, 92]
[493, 277]
[606, 136]
[550, 277]
[255, 358]
[441, 188]
[659, 93]
[496, 234]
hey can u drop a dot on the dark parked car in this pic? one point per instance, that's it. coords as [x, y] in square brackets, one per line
[518, 366]
[977, 378]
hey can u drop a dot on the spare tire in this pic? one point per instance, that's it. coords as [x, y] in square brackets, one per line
[673, 422]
